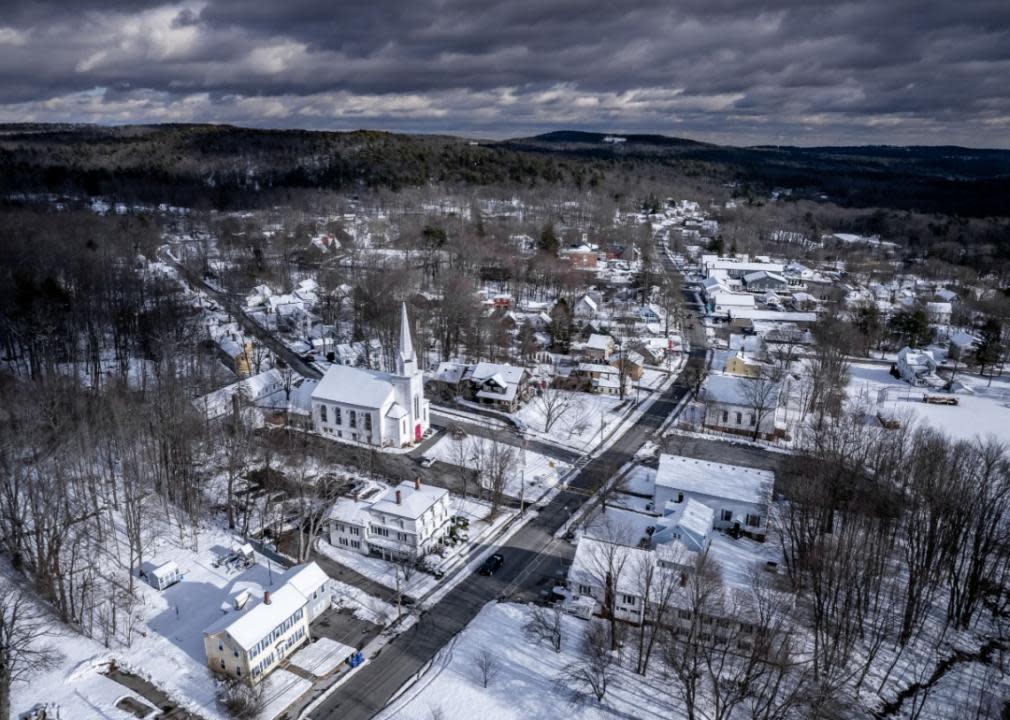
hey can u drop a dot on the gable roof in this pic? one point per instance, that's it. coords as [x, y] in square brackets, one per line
[354, 386]
[727, 482]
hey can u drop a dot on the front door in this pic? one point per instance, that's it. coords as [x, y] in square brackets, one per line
[417, 433]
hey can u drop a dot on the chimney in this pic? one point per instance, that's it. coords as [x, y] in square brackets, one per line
[397, 497]
[266, 597]
[417, 482]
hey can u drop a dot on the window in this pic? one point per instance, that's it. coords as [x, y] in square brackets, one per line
[336, 416]
[342, 541]
[354, 419]
[752, 419]
[684, 614]
[322, 413]
[402, 537]
[629, 599]
[368, 421]
[376, 530]
[356, 544]
[753, 521]
[739, 418]
[417, 407]
[585, 590]
[725, 416]
[727, 516]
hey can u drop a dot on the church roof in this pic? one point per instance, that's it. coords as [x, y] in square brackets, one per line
[354, 386]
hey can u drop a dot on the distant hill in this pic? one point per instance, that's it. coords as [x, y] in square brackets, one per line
[224, 166]
[948, 179]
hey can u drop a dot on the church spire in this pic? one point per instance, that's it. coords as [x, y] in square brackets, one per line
[406, 360]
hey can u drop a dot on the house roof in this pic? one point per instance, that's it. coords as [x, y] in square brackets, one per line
[354, 386]
[413, 502]
[694, 516]
[251, 624]
[718, 480]
[731, 390]
[592, 557]
[733, 299]
[599, 342]
[510, 374]
[449, 372]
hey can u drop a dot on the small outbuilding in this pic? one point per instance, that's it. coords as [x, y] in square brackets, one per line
[165, 575]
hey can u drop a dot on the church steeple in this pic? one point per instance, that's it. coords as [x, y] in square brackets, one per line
[406, 361]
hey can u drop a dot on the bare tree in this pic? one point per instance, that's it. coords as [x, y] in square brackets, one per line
[23, 651]
[487, 666]
[553, 404]
[593, 671]
[761, 396]
[544, 626]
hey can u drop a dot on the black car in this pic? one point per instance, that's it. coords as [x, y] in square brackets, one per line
[492, 564]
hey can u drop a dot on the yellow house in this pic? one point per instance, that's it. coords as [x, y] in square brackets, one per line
[262, 628]
[741, 365]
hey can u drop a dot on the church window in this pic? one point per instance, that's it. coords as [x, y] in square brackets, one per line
[354, 419]
[322, 413]
[336, 415]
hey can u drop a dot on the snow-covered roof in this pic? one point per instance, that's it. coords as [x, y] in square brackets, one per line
[694, 516]
[508, 374]
[763, 275]
[592, 558]
[599, 342]
[732, 390]
[354, 386]
[306, 579]
[257, 618]
[413, 503]
[165, 570]
[449, 372]
[350, 511]
[396, 411]
[774, 315]
[733, 299]
[588, 301]
[728, 482]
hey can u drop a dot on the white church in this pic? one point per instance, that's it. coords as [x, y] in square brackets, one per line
[368, 406]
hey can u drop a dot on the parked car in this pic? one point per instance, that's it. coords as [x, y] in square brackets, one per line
[427, 462]
[492, 564]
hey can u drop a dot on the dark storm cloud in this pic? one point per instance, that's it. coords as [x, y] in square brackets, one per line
[899, 71]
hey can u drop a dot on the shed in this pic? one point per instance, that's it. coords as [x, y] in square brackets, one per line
[165, 575]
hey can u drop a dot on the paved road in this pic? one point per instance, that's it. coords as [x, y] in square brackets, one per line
[526, 552]
[266, 337]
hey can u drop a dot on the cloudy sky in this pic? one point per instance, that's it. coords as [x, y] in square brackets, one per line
[780, 71]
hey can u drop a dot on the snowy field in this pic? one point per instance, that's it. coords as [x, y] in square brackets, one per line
[525, 685]
[541, 472]
[984, 412]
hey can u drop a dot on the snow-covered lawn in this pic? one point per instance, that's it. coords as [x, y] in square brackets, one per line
[365, 607]
[540, 471]
[579, 426]
[985, 412]
[525, 685]
[420, 583]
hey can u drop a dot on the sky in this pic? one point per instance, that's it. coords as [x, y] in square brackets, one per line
[796, 72]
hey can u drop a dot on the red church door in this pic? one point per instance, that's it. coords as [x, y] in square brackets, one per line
[417, 433]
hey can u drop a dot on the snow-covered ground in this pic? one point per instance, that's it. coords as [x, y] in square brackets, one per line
[984, 412]
[525, 685]
[170, 629]
[579, 426]
[540, 471]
